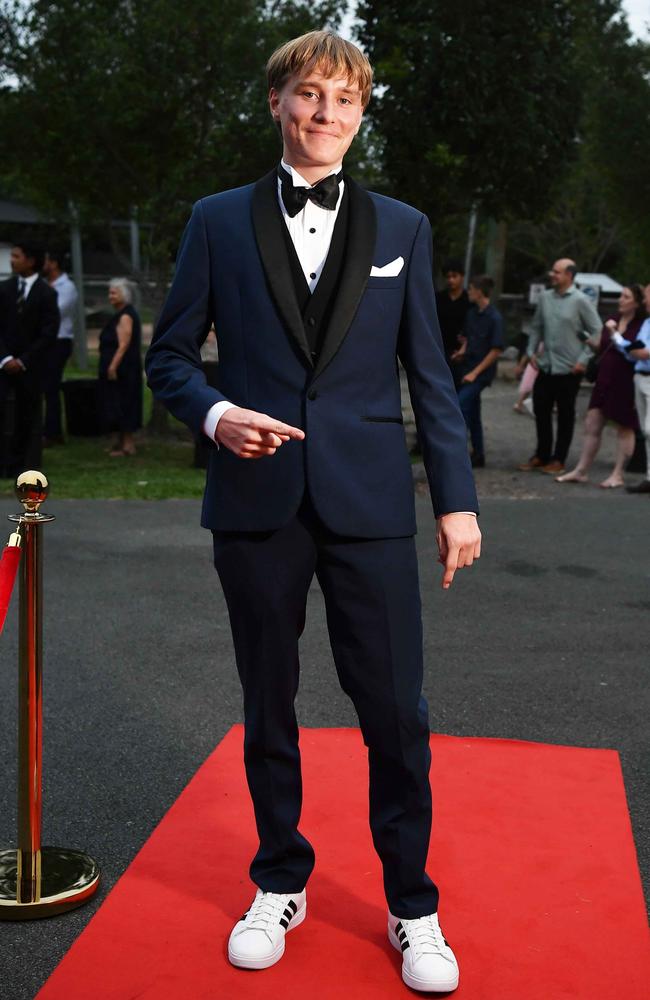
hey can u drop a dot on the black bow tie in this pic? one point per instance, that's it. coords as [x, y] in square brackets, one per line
[325, 193]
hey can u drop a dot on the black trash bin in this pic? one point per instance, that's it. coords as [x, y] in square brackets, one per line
[80, 398]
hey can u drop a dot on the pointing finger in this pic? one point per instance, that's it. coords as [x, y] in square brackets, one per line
[264, 424]
[451, 565]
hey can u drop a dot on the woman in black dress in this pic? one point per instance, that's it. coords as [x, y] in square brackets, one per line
[120, 370]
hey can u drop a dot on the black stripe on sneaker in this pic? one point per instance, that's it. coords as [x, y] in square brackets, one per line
[293, 906]
[245, 915]
[398, 927]
[284, 922]
[288, 913]
[405, 945]
[402, 934]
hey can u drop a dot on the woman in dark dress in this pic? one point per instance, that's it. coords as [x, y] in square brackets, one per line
[120, 370]
[613, 394]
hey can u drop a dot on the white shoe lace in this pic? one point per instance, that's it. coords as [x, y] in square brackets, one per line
[266, 911]
[425, 936]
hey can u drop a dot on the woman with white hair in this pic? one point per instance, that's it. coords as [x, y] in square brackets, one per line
[120, 370]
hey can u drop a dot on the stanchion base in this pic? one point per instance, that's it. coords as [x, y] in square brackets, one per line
[68, 879]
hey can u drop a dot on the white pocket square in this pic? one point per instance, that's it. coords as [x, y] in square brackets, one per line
[390, 270]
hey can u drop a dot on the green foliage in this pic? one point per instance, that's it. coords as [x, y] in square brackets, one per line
[476, 102]
[598, 211]
[82, 470]
[537, 113]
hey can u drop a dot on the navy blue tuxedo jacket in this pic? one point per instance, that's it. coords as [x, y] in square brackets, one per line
[233, 271]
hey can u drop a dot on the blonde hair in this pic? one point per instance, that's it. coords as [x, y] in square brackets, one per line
[324, 51]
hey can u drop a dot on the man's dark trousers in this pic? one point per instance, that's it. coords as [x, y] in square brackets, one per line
[469, 399]
[373, 611]
[548, 391]
[20, 423]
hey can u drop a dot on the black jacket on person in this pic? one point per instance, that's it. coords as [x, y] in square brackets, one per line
[27, 334]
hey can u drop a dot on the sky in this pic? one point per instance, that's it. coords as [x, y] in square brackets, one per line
[638, 15]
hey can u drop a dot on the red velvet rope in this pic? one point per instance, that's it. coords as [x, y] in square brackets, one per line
[8, 569]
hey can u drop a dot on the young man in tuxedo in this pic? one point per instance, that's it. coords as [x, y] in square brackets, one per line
[316, 288]
[29, 323]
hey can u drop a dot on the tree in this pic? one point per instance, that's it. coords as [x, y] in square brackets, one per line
[616, 131]
[597, 214]
[123, 107]
[476, 102]
[120, 106]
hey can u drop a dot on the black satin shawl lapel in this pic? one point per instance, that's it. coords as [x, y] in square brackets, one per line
[267, 223]
[362, 234]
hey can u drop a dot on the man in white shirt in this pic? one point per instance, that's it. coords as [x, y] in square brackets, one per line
[61, 350]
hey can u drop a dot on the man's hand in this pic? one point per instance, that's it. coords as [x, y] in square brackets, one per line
[111, 374]
[13, 367]
[459, 543]
[521, 365]
[253, 435]
[470, 377]
[579, 369]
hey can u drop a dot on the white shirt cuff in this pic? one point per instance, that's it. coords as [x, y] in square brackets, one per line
[213, 416]
[9, 357]
[472, 513]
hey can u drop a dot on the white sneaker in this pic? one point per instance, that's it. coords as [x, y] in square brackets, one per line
[428, 963]
[257, 940]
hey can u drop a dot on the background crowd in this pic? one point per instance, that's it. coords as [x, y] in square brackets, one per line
[37, 306]
[566, 343]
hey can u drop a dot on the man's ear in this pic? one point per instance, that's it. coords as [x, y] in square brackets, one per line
[274, 101]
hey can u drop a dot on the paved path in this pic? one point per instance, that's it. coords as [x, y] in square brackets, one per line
[539, 641]
[510, 439]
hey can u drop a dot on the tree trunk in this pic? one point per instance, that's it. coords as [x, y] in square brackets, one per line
[495, 254]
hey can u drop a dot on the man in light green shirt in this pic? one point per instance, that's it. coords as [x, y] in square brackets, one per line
[567, 324]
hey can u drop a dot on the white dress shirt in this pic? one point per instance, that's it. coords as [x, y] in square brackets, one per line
[66, 297]
[311, 234]
[27, 287]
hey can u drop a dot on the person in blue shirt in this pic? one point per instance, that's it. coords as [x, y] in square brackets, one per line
[481, 347]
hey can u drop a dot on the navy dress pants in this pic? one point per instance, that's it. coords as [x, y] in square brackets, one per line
[373, 612]
[469, 400]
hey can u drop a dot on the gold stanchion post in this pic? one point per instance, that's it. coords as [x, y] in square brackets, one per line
[36, 881]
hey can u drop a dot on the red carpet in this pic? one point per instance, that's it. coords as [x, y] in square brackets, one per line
[532, 849]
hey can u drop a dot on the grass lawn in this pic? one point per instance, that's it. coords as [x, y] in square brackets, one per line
[82, 469]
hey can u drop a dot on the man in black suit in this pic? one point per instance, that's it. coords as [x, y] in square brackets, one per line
[29, 322]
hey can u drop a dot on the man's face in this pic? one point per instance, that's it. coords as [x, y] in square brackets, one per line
[454, 281]
[473, 293]
[559, 277]
[646, 298]
[21, 264]
[319, 116]
[49, 266]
